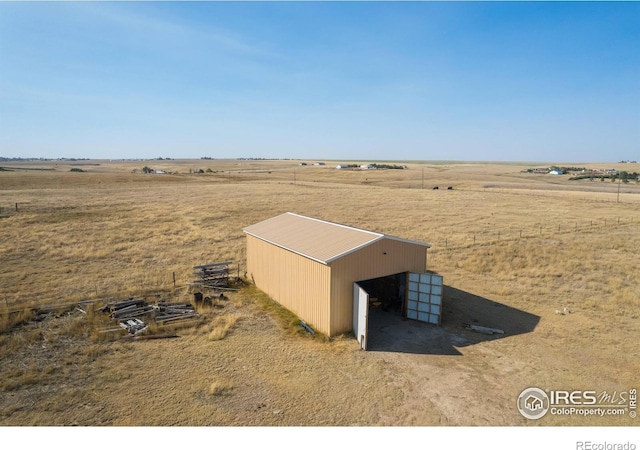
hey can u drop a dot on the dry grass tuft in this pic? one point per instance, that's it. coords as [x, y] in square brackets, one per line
[93, 351]
[9, 320]
[340, 343]
[222, 325]
[18, 379]
[220, 387]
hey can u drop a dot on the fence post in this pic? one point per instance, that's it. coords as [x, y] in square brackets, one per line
[174, 280]
[16, 207]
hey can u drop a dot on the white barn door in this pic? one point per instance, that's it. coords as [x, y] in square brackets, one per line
[360, 314]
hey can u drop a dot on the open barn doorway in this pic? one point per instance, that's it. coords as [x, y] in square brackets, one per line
[377, 303]
[386, 294]
[383, 305]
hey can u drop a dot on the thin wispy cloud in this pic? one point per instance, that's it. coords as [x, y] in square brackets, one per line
[452, 80]
[151, 27]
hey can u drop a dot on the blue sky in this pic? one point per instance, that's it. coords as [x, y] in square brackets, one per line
[482, 81]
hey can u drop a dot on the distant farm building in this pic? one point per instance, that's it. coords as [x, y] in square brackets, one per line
[326, 273]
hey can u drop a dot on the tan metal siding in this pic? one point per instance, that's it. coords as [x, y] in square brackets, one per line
[365, 264]
[297, 283]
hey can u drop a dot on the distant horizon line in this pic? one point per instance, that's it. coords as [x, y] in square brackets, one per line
[241, 158]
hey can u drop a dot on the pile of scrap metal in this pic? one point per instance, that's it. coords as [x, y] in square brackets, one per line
[169, 312]
[214, 276]
[134, 326]
[129, 313]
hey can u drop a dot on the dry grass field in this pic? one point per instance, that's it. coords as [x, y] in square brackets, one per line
[509, 245]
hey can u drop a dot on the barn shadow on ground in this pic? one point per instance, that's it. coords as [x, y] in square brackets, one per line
[390, 332]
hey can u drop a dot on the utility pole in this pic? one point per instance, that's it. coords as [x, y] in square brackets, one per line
[423, 178]
[618, 197]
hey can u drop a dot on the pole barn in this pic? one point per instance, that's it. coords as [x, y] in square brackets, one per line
[316, 269]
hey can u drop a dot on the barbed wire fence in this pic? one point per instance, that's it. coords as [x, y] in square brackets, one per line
[495, 235]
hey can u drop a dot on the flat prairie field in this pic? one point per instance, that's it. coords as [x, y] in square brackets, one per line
[551, 261]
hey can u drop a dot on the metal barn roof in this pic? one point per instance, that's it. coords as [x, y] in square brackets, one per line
[317, 239]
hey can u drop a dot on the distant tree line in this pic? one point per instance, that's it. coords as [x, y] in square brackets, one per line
[4, 158]
[373, 166]
[388, 166]
[147, 169]
[263, 159]
[624, 176]
[556, 168]
[208, 170]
